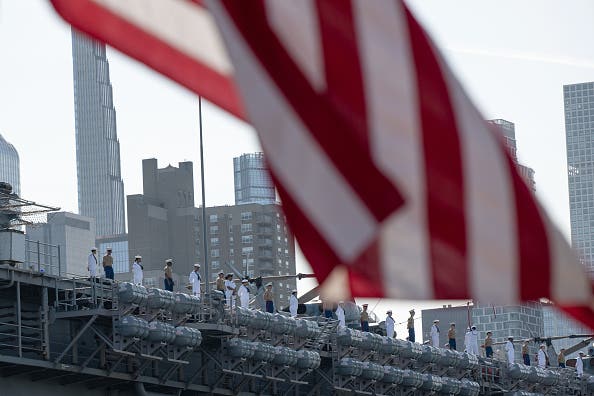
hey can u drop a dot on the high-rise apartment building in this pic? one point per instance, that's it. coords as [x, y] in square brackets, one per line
[579, 132]
[9, 166]
[253, 183]
[508, 131]
[100, 185]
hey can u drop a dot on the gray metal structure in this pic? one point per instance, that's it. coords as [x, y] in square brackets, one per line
[80, 336]
[9, 165]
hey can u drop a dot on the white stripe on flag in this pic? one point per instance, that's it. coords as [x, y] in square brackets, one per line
[569, 286]
[390, 89]
[181, 24]
[490, 204]
[299, 164]
[296, 25]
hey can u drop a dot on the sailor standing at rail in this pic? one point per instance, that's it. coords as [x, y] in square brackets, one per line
[390, 324]
[472, 347]
[230, 291]
[579, 365]
[244, 294]
[340, 315]
[435, 334]
[542, 356]
[92, 263]
[410, 326]
[195, 280]
[137, 270]
[294, 303]
[509, 349]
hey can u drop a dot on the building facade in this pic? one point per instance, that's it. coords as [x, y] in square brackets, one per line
[9, 166]
[162, 222]
[579, 133]
[100, 185]
[508, 132]
[253, 183]
[250, 239]
[556, 323]
[73, 233]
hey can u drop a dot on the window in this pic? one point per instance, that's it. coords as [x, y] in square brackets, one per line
[215, 253]
[246, 215]
[231, 252]
[214, 241]
[215, 264]
[247, 239]
[213, 218]
[247, 250]
[246, 227]
[214, 229]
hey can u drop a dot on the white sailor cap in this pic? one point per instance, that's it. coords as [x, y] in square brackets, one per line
[436, 321]
[269, 284]
[169, 261]
[543, 346]
[389, 311]
[93, 249]
[197, 265]
[244, 281]
[138, 257]
[109, 248]
[293, 291]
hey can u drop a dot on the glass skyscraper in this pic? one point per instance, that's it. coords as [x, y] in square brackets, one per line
[253, 183]
[100, 185]
[579, 132]
[9, 166]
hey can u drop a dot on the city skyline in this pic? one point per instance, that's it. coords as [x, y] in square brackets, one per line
[100, 185]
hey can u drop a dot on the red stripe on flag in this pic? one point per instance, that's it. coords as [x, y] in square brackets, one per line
[146, 48]
[534, 269]
[443, 168]
[335, 135]
[344, 79]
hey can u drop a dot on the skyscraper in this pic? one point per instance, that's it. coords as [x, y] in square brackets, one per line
[253, 183]
[100, 185]
[9, 166]
[579, 132]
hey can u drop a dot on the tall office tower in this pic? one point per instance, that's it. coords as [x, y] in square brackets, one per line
[9, 166]
[579, 132]
[508, 130]
[253, 183]
[100, 185]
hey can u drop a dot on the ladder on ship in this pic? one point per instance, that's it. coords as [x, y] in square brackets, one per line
[328, 329]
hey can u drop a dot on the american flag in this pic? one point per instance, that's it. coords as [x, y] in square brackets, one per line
[390, 178]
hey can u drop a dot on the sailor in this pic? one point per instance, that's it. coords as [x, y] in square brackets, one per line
[365, 318]
[107, 263]
[137, 270]
[472, 347]
[269, 298]
[327, 308]
[92, 263]
[509, 350]
[489, 344]
[230, 291]
[390, 325]
[244, 294]
[561, 358]
[435, 333]
[293, 303]
[525, 354]
[579, 365]
[168, 275]
[410, 325]
[542, 356]
[452, 336]
[195, 279]
[220, 284]
[340, 315]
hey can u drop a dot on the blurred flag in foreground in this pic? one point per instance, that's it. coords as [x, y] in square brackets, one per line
[391, 180]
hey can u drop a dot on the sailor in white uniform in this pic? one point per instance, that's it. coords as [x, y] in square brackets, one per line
[509, 350]
[390, 324]
[579, 365]
[435, 334]
[293, 303]
[195, 280]
[244, 294]
[340, 315]
[542, 356]
[92, 263]
[472, 347]
[137, 270]
[230, 291]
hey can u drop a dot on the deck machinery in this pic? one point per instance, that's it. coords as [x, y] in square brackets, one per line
[120, 339]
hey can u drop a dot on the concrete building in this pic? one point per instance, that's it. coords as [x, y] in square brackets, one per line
[9, 166]
[250, 239]
[519, 321]
[253, 183]
[100, 185]
[75, 234]
[579, 133]
[508, 131]
[163, 222]
[119, 246]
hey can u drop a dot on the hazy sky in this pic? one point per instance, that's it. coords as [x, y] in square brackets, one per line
[513, 57]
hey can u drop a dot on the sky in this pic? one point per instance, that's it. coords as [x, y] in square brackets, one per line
[512, 56]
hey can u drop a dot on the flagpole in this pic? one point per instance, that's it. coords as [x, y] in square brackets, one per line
[205, 249]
